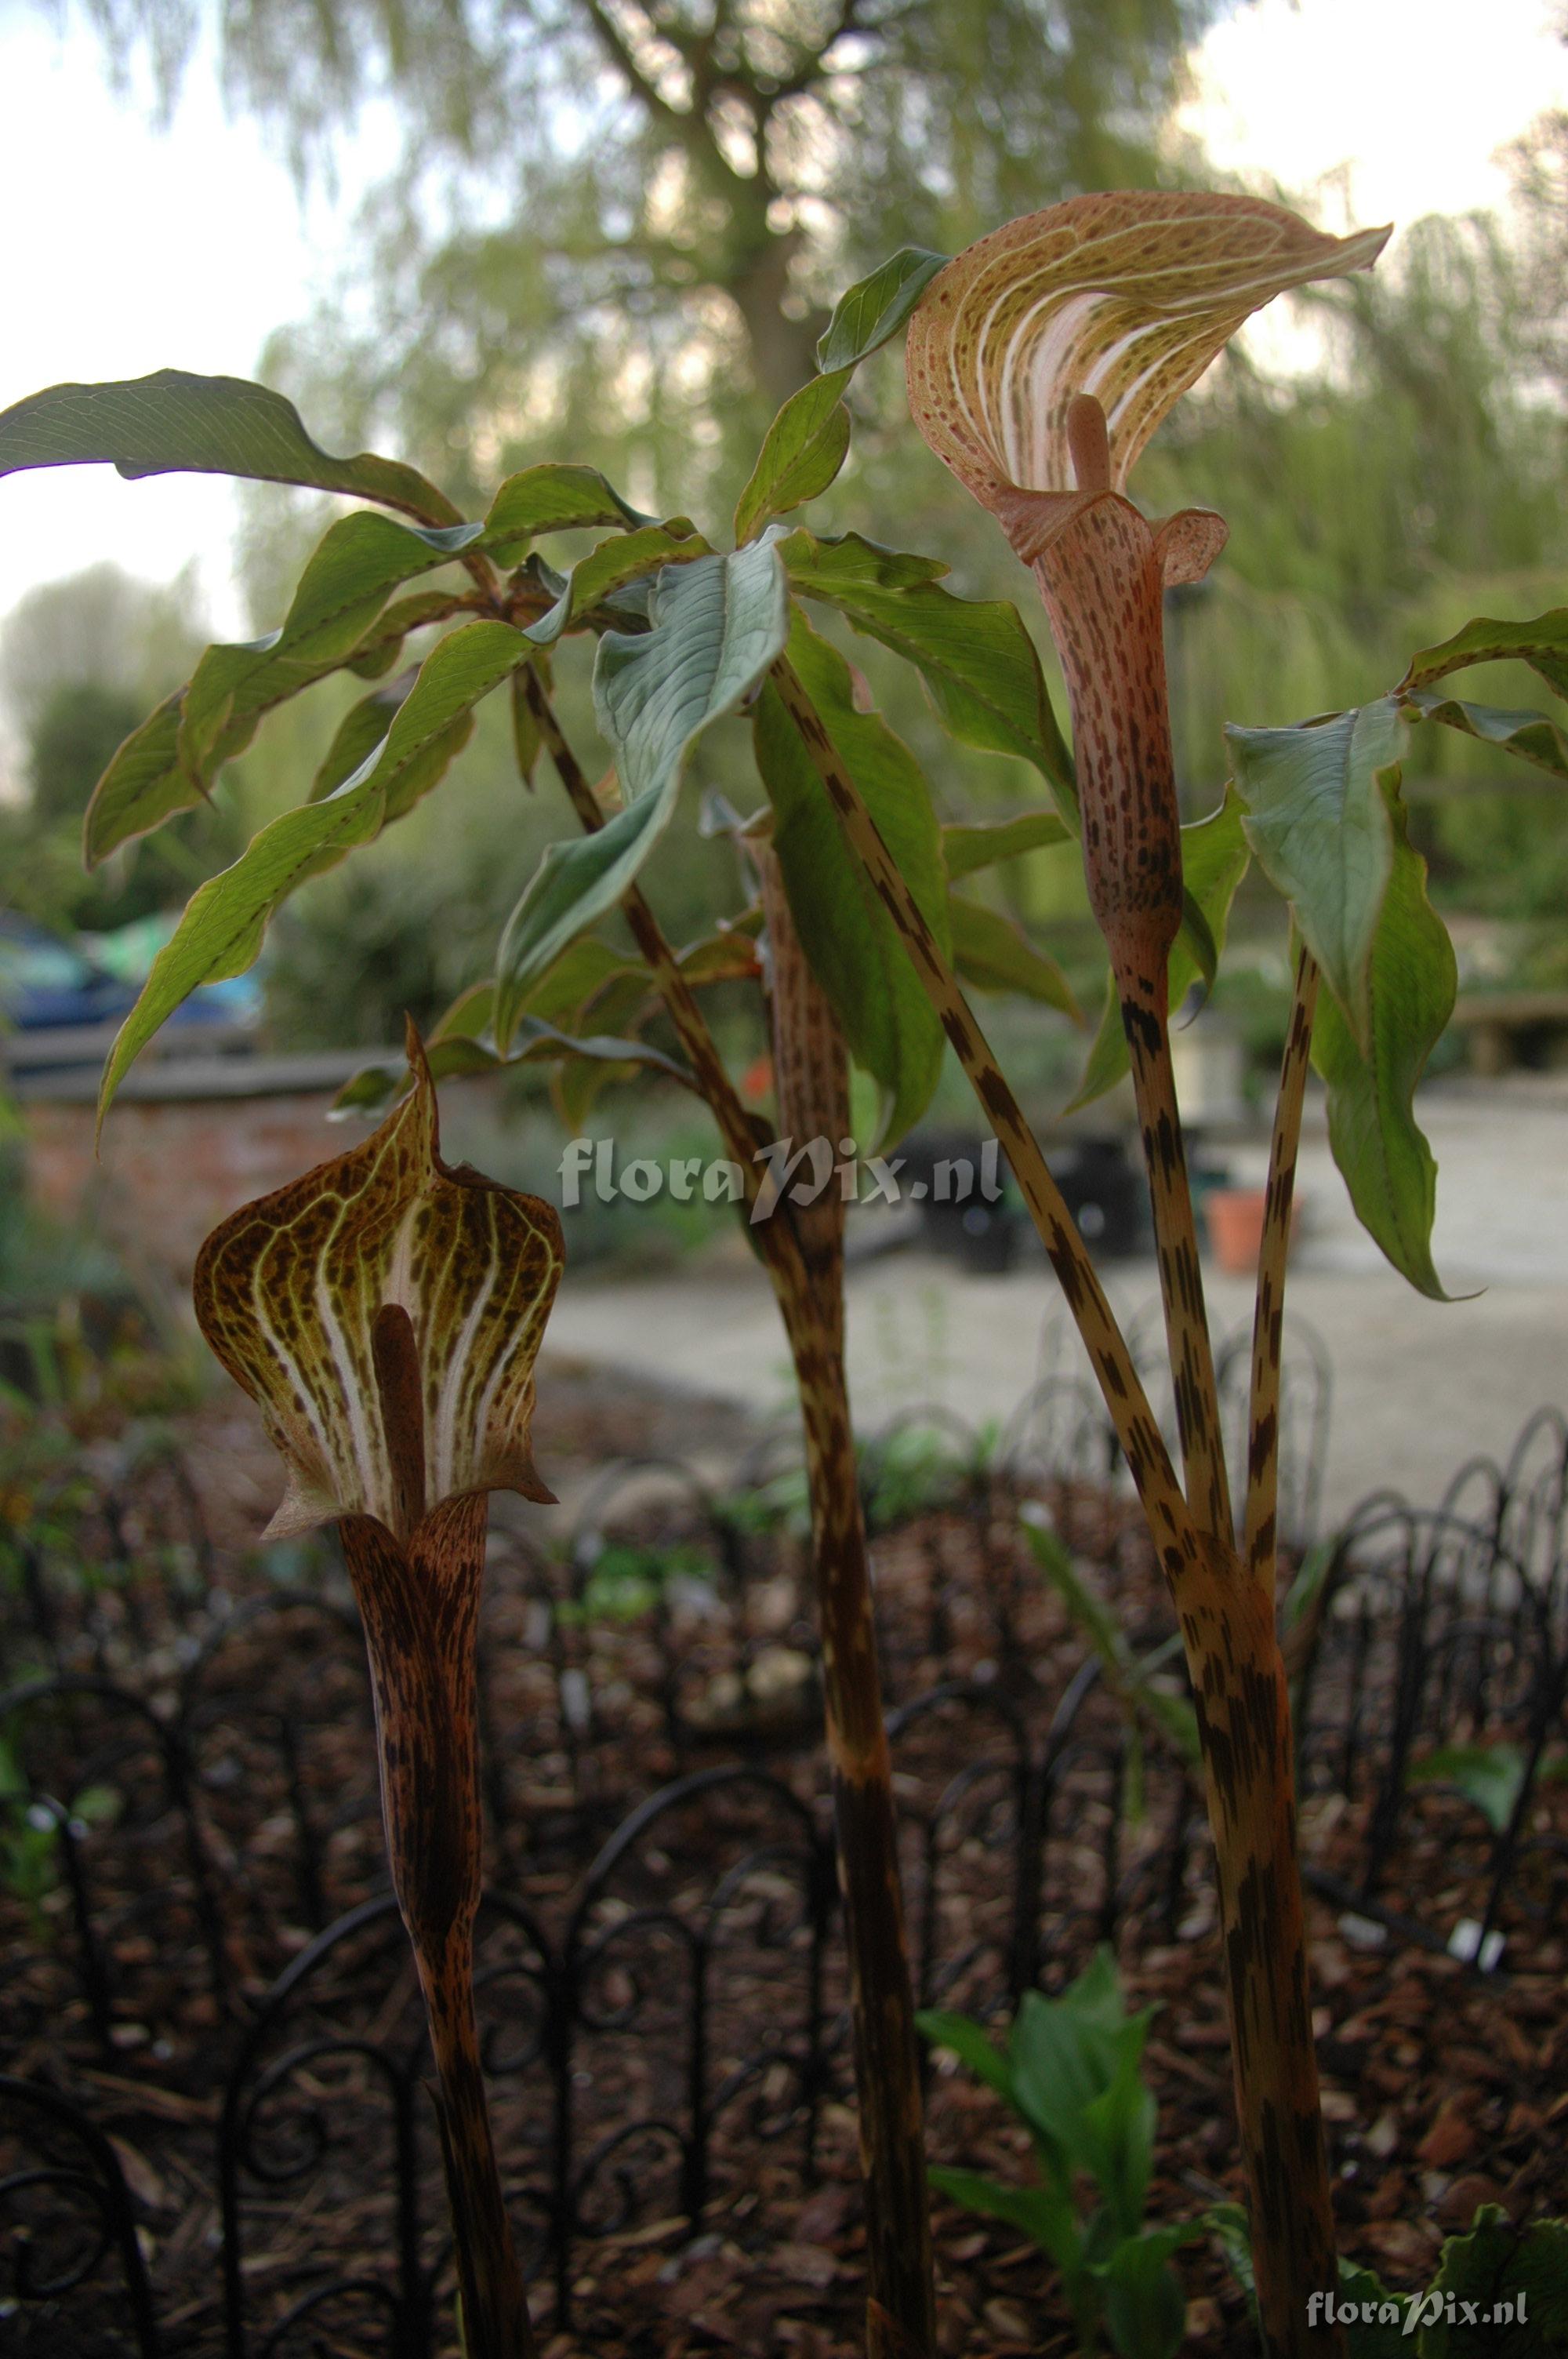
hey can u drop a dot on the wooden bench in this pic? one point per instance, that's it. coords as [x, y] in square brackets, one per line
[1499, 1022]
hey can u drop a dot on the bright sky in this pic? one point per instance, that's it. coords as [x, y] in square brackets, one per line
[122, 243]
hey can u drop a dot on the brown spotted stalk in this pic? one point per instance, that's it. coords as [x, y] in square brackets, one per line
[384, 1312]
[1040, 363]
[1261, 1540]
[801, 1248]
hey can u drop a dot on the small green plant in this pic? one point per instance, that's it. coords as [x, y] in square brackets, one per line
[1073, 2073]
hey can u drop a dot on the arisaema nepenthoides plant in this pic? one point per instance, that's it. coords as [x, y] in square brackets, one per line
[1039, 362]
[384, 1312]
[682, 633]
[1126, 299]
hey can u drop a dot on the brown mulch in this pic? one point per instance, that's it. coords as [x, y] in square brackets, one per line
[1441, 2088]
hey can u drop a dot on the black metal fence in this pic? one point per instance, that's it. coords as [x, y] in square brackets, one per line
[191, 1888]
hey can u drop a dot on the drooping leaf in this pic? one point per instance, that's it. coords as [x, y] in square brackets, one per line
[1530, 737]
[856, 951]
[175, 423]
[982, 843]
[1317, 821]
[610, 567]
[461, 1053]
[1127, 296]
[223, 929]
[552, 498]
[715, 625]
[339, 594]
[994, 954]
[1214, 860]
[1385, 1161]
[289, 1290]
[143, 785]
[979, 663]
[970, 2044]
[1045, 2213]
[1542, 643]
[800, 454]
[383, 643]
[356, 737]
[873, 311]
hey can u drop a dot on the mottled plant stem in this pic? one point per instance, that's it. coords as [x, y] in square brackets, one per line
[1233, 1660]
[802, 1249]
[419, 1604]
[1147, 1026]
[811, 1074]
[1260, 1544]
[1127, 1404]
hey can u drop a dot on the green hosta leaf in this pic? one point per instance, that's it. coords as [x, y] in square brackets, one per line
[871, 313]
[143, 785]
[1214, 860]
[173, 423]
[1317, 821]
[356, 737]
[802, 453]
[1044, 2213]
[982, 843]
[552, 498]
[979, 663]
[994, 954]
[224, 923]
[715, 625]
[288, 1293]
[610, 567]
[341, 593]
[1530, 737]
[856, 951]
[1145, 2307]
[1498, 2263]
[1542, 644]
[970, 2044]
[1490, 1776]
[1386, 1162]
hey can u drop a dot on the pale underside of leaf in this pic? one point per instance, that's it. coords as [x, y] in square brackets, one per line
[288, 1291]
[1127, 295]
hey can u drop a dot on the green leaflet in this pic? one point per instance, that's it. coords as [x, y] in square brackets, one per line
[715, 625]
[336, 618]
[855, 949]
[610, 567]
[1530, 736]
[225, 921]
[1542, 644]
[143, 785]
[1411, 982]
[1214, 860]
[979, 663]
[1317, 821]
[383, 643]
[356, 737]
[458, 1054]
[551, 498]
[1494, 2262]
[800, 454]
[339, 594]
[174, 423]
[873, 311]
[993, 953]
[981, 843]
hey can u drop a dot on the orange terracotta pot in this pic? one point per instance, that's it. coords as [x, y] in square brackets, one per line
[1234, 1218]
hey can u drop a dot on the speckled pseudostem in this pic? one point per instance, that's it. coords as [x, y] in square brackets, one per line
[811, 1073]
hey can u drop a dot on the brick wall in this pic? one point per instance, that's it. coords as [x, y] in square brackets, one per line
[170, 1169]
